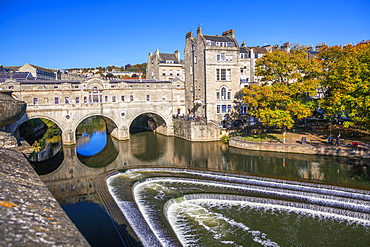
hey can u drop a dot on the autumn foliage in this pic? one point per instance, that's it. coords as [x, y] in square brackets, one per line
[288, 82]
[346, 79]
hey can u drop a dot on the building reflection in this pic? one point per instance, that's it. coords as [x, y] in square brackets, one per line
[74, 179]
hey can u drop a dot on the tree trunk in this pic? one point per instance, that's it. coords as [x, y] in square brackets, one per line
[284, 134]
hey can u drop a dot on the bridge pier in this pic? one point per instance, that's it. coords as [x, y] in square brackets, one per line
[68, 137]
[121, 134]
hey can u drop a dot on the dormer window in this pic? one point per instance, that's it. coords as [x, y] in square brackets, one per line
[169, 61]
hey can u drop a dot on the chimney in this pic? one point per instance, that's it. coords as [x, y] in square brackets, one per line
[199, 31]
[229, 33]
[189, 35]
[177, 54]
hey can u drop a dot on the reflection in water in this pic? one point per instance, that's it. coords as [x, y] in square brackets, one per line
[145, 146]
[91, 136]
[90, 145]
[73, 181]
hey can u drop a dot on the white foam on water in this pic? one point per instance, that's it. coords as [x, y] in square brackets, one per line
[323, 195]
[215, 223]
[133, 217]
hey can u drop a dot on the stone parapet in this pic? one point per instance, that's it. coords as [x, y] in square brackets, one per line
[30, 216]
[316, 149]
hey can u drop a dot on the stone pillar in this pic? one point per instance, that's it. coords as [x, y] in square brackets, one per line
[68, 137]
[121, 133]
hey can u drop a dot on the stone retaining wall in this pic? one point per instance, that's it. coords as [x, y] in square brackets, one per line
[30, 216]
[301, 148]
[194, 131]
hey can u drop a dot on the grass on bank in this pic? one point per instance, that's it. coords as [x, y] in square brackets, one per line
[260, 137]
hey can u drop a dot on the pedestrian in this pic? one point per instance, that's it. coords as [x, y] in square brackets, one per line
[337, 141]
[330, 140]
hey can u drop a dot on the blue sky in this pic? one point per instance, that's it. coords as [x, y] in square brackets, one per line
[89, 33]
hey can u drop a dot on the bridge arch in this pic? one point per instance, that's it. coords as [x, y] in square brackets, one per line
[160, 124]
[26, 117]
[111, 123]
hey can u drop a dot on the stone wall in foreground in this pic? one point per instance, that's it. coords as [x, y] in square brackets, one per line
[30, 216]
[301, 148]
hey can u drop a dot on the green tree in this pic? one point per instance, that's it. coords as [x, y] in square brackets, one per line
[289, 80]
[346, 79]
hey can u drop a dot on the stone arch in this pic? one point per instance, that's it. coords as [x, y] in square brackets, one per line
[111, 124]
[95, 83]
[160, 121]
[15, 126]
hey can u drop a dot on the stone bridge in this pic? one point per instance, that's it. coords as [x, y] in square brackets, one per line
[119, 102]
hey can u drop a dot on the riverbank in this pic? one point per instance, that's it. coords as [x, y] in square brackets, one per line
[317, 147]
[30, 216]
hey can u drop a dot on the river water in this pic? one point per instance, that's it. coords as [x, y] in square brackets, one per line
[95, 153]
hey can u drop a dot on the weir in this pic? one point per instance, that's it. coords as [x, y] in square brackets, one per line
[156, 192]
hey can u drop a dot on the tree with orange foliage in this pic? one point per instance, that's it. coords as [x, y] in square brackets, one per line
[289, 80]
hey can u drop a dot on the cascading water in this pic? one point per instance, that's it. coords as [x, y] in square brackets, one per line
[181, 207]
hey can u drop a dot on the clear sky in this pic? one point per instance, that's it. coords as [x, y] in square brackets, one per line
[91, 33]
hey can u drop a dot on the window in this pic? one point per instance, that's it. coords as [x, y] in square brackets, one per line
[169, 61]
[123, 98]
[77, 100]
[164, 73]
[178, 111]
[114, 98]
[11, 87]
[221, 57]
[85, 99]
[223, 74]
[223, 108]
[178, 73]
[106, 99]
[56, 100]
[228, 108]
[35, 101]
[228, 95]
[217, 95]
[171, 72]
[131, 98]
[243, 109]
[148, 97]
[66, 100]
[163, 97]
[223, 93]
[218, 109]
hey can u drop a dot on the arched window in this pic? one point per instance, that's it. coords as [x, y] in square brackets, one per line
[223, 93]
[95, 95]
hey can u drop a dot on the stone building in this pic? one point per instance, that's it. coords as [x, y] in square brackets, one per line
[37, 72]
[212, 74]
[165, 66]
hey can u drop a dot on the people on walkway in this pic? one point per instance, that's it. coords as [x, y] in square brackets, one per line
[330, 140]
[337, 140]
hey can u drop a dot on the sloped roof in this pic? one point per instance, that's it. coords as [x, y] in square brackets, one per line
[259, 49]
[218, 38]
[42, 69]
[167, 56]
[244, 50]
